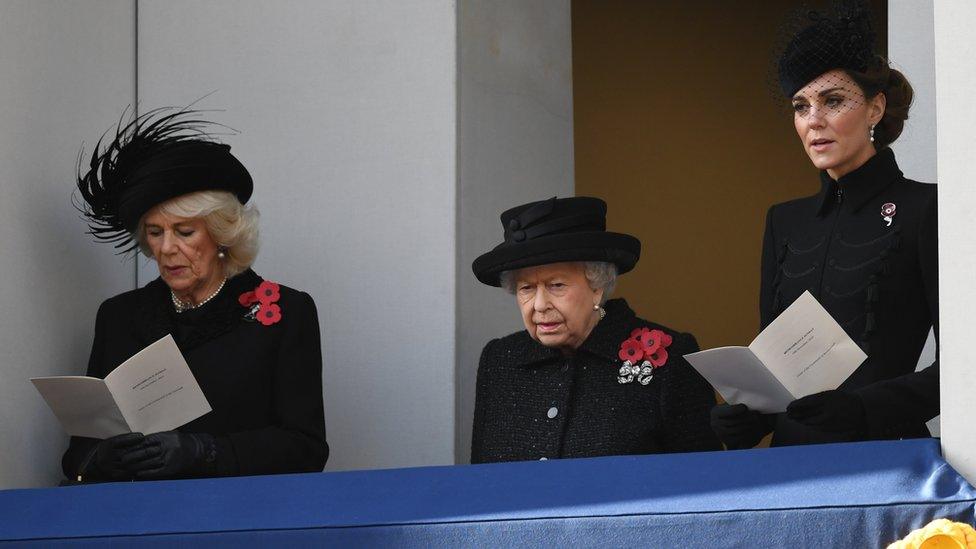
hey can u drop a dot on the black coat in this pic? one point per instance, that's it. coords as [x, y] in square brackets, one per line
[879, 282]
[264, 383]
[522, 382]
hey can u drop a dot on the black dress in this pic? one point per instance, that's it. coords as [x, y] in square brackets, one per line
[264, 383]
[877, 277]
[533, 402]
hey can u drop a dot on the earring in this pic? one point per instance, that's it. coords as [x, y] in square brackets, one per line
[221, 252]
[872, 133]
[602, 311]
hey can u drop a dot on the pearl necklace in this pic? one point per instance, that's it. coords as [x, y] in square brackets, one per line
[183, 306]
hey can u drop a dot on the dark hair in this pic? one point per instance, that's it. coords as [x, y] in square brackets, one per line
[879, 77]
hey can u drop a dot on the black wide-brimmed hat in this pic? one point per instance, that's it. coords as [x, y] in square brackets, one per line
[817, 42]
[160, 155]
[553, 231]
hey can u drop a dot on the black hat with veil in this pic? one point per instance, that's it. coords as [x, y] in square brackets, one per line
[815, 42]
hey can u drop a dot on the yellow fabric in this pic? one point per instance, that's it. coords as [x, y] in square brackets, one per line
[939, 534]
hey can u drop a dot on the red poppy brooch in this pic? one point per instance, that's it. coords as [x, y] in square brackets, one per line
[643, 352]
[262, 303]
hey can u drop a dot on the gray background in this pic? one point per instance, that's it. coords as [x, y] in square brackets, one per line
[347, 119]
[66, 72]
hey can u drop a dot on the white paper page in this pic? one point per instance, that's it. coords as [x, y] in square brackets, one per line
[741, 378]
[806, 349]
[155, 389]
[83, 405]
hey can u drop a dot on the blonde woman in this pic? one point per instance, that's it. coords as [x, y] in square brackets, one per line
[163, 187]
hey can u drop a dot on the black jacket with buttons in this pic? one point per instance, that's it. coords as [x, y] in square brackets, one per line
[533, 402]
[264, 383]
[878, 279]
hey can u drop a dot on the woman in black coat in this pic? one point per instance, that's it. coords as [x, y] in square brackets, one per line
[865, 246]
[587, 377]
[253, 345]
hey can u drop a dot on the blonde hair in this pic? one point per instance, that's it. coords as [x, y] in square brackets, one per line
[232, 225]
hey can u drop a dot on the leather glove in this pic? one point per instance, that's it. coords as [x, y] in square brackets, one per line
[738, 427]
[834, 410]
[108, 456]
[171, 454]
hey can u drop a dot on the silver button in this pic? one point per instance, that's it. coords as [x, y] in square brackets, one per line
[553, 412]
[543, 459]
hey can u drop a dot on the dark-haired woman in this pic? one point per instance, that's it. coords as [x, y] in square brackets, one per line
[865, 245]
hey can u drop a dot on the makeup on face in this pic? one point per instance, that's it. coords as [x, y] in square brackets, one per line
[833, 120]
[185, 253]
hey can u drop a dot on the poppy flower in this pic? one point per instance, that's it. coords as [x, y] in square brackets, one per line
[269, 314]
[658, 358]
[247, 298]
[663, 337]
[268, 292]
[651, 342]
[631, 350]
[640, 334]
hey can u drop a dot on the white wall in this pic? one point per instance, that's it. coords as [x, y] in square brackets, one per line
[515, 145]
[67, 74]
[955, 80]
[911, 49]
[347, 114]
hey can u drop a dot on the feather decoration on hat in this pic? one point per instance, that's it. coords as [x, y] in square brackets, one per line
[109, 168]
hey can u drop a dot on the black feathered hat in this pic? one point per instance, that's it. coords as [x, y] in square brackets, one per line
[842, 38]
[553, 231]
[160, 155]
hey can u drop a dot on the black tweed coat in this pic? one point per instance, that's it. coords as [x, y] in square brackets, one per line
[533, 402]
[264, 383]
[879, 280]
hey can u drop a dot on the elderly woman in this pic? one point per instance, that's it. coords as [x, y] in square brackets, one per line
[586, 377]
[161, 185]
[865, 245]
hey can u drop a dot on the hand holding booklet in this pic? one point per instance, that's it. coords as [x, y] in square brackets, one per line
[152, 391]
[804, 351]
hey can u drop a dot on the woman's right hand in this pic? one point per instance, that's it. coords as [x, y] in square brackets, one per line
[109, 452]
[738, 427]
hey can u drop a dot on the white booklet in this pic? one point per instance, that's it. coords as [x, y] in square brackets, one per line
[802, 352]
[152, 391]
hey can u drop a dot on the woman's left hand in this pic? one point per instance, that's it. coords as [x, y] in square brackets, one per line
[834, 410]
[170, 454]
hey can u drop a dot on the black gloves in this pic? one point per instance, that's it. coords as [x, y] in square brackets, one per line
[739, 427]
[172, 454]
[837, 411]
[107, 456]
[833, 411]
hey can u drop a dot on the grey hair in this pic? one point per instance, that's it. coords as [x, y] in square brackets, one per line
[599, 275]
[232, 225]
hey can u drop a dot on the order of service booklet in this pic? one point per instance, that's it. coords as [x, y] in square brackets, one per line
[152, 391]
[802, 352]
